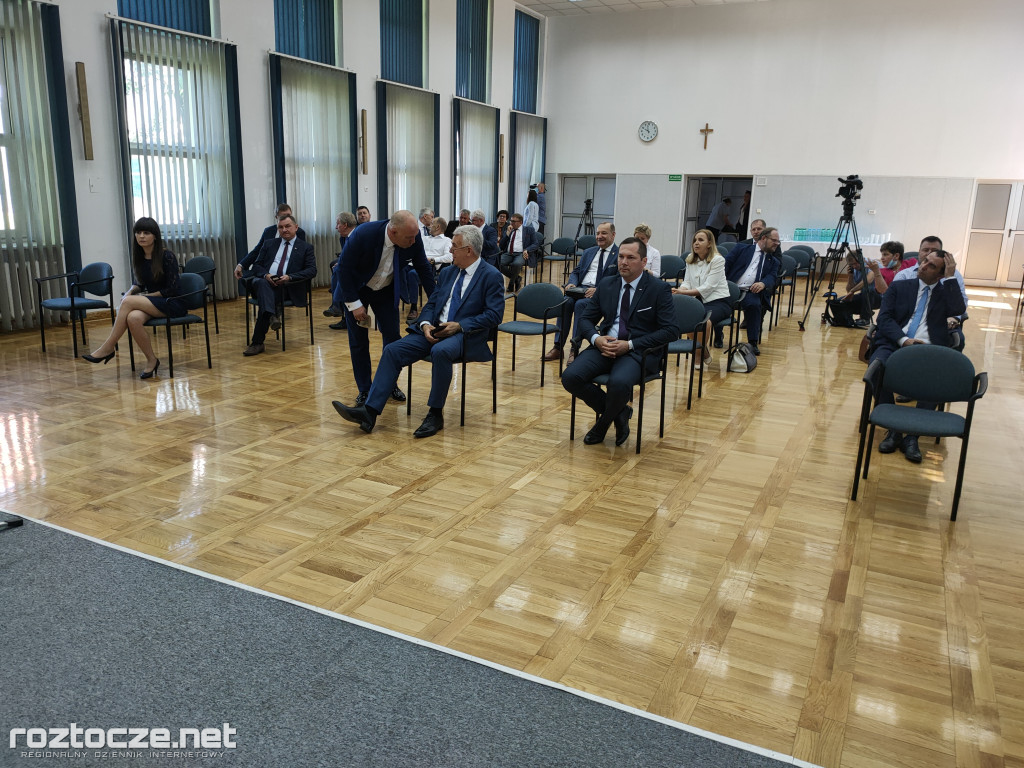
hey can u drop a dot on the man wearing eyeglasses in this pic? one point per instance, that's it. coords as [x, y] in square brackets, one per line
[454, 324]
[753, 267]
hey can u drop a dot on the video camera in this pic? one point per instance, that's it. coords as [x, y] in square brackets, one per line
[850, 187]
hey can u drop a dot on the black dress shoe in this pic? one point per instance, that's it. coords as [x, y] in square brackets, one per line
[432, 424]
[595, 435]
[333, 311]
[398, 395]
[361, 398]
[339, 326]
[103, 360]
[622, 425]
[719, 343]
[755, 348]
[358, 415]
[911, 449]
[150, 374]
[891, 442]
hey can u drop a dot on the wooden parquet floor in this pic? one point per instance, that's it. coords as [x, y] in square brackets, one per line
[722, 578]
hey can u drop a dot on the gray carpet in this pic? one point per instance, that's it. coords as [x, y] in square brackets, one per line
[100, 638]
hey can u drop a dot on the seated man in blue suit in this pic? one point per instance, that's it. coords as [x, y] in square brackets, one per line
[754, 268]
[369, 274]
[468, 300]
[270, 233]
[917, 312]
[518, 244]
[282, 260]
[637, 314]
[490, 252]
[595, 263]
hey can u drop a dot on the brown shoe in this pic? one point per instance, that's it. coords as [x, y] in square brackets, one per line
[570, 358]
[254, 349]
[555, 353]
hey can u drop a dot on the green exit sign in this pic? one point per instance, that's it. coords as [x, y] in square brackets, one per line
[675, 177]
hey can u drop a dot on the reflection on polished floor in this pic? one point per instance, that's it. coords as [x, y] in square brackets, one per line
[721, 578]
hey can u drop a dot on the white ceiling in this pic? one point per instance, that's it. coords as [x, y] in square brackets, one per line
[579, 7]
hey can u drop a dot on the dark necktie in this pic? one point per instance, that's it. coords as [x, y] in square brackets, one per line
[456, 301]
[600, 267]
[623, 332]
[284, 259]
[512, 241]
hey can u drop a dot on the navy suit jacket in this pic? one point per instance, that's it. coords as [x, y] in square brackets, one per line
[652, 316]
[738, 260]
[490, 252]
[361, 257]
[528, 239]
[270, 233]
[899, 303]
[482, 307]
[611, 264]
[301, 266]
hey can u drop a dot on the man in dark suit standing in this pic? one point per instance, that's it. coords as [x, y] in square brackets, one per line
[270, 233]
[467, 303]
[917, 312]
[518, 243]
[754, 269]
[282, 261]
[637, 314]
[369, 274]
[595, 263]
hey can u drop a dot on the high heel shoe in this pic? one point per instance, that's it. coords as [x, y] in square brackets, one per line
[150, 374]
[103, 360]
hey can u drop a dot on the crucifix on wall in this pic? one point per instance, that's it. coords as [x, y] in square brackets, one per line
[706, 130]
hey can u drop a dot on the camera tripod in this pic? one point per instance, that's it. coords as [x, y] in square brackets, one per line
[838, 251]
[586, 225]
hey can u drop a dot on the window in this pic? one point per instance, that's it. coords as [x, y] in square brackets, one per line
[180, 142]
[475, 156]
[408, 143]
[186, 15]
[314, 113]
[38, 215]
[473, 50]
[528, 140]
[403, 50]
[305, 29]
[525, 62]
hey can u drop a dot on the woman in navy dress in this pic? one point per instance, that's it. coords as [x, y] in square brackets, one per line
[154, 293]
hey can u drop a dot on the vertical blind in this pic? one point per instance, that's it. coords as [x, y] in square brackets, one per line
[187, 15]
[525, 62]
[528, 140]
[408, 142]
[403, 41]
[176, 140]
[318, 151]
[473, 49]
[305, 28]
[475, 156]
[30, 226]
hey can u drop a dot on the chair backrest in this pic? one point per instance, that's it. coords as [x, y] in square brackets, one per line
[96, 278]
[726, 238]
[809, 250]
[722, 250]
[690, 312]
[800, 256]
[672, 267]
[201, 265]
[535, 298]
[562, 245]
[734, 292]
[929, 372]
[910, 255]
[728, 246]
[193, 289]
[787, 266]
[586, 241]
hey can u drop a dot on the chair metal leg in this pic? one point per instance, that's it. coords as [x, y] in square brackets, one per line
[572, 419]
[867, 451]
[640, 414]
[170, 350]
[462, 405]
[959, 476]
